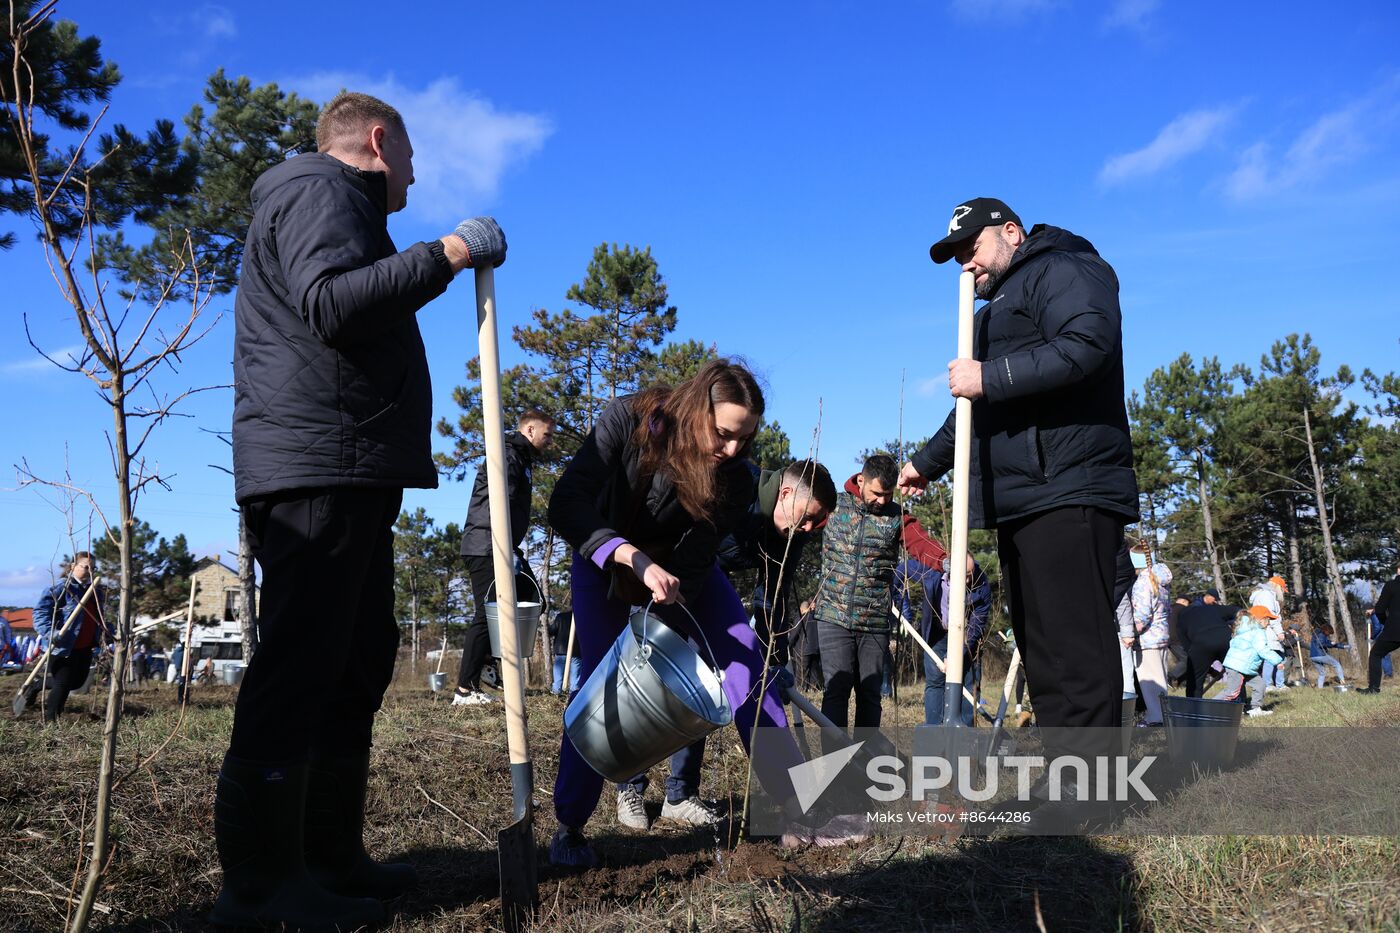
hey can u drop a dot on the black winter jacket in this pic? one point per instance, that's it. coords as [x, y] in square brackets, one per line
[1051, 429]
[331, 382]
[755, 544]
[476, 533]
[594, 502]
[1388, 609]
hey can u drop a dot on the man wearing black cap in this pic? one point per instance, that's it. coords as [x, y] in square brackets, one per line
[1052, 464]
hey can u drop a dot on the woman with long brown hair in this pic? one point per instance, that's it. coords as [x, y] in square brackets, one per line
[644, 503]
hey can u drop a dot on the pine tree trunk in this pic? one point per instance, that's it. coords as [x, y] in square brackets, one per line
[248, 582]
[1334, 573]
[1204, 492]
[1289, 524]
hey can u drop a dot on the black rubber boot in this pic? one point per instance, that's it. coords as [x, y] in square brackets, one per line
[335, 820]
[259, 812]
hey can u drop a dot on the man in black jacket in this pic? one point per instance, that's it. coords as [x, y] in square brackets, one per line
[532, 436]
[332, 417]
[1204, 627]
[1388, 612]
[1052, 464]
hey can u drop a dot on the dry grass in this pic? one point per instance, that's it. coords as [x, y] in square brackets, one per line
[441, 790]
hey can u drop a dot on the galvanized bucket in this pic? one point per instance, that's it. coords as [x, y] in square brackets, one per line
[1202, 732]
[436, 682]
[650, 696]
[527, 622]
[233, 674]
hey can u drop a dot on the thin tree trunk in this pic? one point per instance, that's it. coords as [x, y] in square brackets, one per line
[248, 582]
[413, 642]
[1209, 527]
[1334, 573]
[97, 861]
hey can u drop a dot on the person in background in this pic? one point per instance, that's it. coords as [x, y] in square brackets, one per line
[933, 624]
[1387, 610]
[1206, 628]
[1374, 626]
[1270, 593]
[1151, 595]
[1317, 653]
[1176, 647]
[860, 547]
[70, 657]
[1249, 649]
[559, 627]
[533, 435]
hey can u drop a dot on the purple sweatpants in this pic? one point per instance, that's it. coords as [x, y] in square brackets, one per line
[598, 621]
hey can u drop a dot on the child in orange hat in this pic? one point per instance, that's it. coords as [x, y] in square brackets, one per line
[1249, 650]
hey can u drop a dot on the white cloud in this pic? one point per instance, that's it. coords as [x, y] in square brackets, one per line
[462, 144]
[37, 364]
[932, 387]
[1186, 135]
[1131, 14]
[218, 22]
[1334, 139]
[25, 580]
[998, 10]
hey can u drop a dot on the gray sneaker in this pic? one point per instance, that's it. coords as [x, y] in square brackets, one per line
[632, 809]
[691, 810]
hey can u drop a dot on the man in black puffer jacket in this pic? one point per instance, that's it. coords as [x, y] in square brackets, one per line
[332, 412]
[1052, 464]
[533, 435]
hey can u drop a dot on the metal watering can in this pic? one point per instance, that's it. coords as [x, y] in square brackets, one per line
[650, 696]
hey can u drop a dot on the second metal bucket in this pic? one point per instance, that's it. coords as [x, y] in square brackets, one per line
[1202, 732]
[650, 696]
[527, 623]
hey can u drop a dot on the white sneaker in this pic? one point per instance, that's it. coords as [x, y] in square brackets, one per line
[1271, 689]
[691, 810]
[632, 809]
[472, 698]
[1259, 712]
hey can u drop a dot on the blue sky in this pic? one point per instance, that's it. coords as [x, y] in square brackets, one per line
[789, 164]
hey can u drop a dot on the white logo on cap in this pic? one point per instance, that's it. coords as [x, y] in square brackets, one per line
[996, 215]
[959, 212]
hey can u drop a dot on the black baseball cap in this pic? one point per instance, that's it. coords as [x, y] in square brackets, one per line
[969, 218]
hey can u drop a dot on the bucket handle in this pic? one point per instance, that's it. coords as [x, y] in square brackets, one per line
[538, 591]
[646, 647]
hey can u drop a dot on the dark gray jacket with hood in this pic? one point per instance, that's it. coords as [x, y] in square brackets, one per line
[331, 382]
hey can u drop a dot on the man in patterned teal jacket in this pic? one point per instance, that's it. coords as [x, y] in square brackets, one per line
[860, 547]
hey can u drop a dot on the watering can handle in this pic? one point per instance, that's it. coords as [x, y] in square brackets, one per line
[713, 659]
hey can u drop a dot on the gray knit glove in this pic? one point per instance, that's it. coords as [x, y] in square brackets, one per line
[486, 241]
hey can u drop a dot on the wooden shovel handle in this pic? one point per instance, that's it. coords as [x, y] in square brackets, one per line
[493, 426]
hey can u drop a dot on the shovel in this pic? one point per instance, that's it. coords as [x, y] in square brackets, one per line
[956, 578]
[516, 843]
[907, 627]
[21, 700]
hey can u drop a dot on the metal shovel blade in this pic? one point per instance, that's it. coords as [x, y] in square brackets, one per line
[21, 702]
[515, 845]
